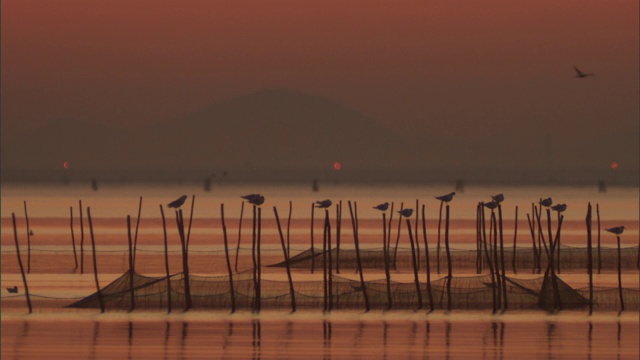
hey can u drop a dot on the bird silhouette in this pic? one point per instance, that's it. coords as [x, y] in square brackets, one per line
[616, 230]
[446, 198]
[580, 74]
[323, 204]
[13, 290]
[491, 204]
[498, 198]
[382, 207]
[546, 202]
[255, 199]
[177, 203]
[406, 212]
[559, 208]
[30, 232]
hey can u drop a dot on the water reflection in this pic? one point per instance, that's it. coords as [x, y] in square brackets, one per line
[390, 338]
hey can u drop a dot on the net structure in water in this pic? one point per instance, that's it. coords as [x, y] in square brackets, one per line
[466, 293]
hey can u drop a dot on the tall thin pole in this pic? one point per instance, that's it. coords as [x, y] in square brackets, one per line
[589, 258]
[324, 267]
[24, 278]
[438, 248]
[95, 264]
[259, 259]
[289, 228]
[416, 232]
[620, 276]
[193, 201]
[232, 290]
[487, 253]
[166, 259]
[239, 234]
[504, 277]
[330, 264]
[338, 231]
[313, 255]
[256, 292]
[81, 239]
[598, 219]
[135, 239]
[356, 241]
[426, 255]
[131, 269]
[73, 239]
[395, 251]
[515, 238]
[415, 266]
[26, 216]
[385, 254]
[286, 260]
[449, 267]
[185, 260]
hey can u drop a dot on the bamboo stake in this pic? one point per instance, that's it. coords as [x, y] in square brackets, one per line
[256, 292]
[289, 228]
[438, 248]
[338, 231]
[24, 278]
[239, 234]
[324, 266]
[395, 252]
[449, 267]
[95, 265]
[598, 218]
[81, 240]
[388, 245]
[385, 254]
[330, 264]
[415, 266]
[259, 258]
[185, 260]
[354, 224]
[313, 255]
[193, 201]
[589, 258]
[515, 237]
[489, 260]
[73, 239]
[478, 241]
[504, 277]
[131, 266]
[135, 240]
[286, 259]
[426, 255]
[620, 276]
[166, 260]
[232, 290]
[496, 260]
[26, 216]
[533, 240]
[416, 232]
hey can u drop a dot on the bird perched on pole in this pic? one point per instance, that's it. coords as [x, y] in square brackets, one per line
[323, 204]
[618, 230]
[446, 198]
[546, 202]
[491, 204]
[559, 208]
[177, 203]
[498, 198]
[382, 207]
[406, 212]
[13, 290]
[580, 74]
[255, 199]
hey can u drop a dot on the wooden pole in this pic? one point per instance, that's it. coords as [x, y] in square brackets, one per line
[330, 263]
[533, 240]
[416, 232]
[24, 278]
[135, 239]
[81, 240]
[389, 236]
[286, 259]
[166, 260]
[478, 240]
[95, 264]
[449, 267]
[338, 231]
[289, 228]
[232, 290]
[131, 268]
[620, 276]
[438, 247]
[26, 216]
[504, 277]
[256, 292]
[259, 259]
[385, 254]
[313, 255]
[598, 219]
[589, 258]
[239, 234]
[415, 266]
[185, 260]
[193, 201]
[356, 241]
[73, 239]
[496, 259]
[324, 267]
[487, 253]
[395, 251]
[515, 237]
[426, 255]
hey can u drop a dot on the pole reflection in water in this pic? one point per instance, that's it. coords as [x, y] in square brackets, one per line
[551, 329]
[385, 327]
[257, 339]
[590, 340]
[130, 340]
[167, 332]
[447, 337]
[94, 342]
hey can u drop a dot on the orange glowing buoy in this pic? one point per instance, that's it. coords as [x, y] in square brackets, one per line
[65, 164]
[614, 165]
[337, 165]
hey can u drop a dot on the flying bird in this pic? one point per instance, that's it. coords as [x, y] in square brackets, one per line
[177, 203]
[491, 204]
[580, 74]
[13, 290]
[406, 212]
[323, 204]
[616, 230]
[559, 208]
[446, 198]
[382, 207]
[255, 199]
[498, 198]
[546, 202]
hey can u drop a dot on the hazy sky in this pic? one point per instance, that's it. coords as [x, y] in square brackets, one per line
[427, 65]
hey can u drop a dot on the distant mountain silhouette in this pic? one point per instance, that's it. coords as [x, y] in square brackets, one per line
[271, 134]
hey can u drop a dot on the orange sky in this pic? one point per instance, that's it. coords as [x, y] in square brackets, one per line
[413, 64]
